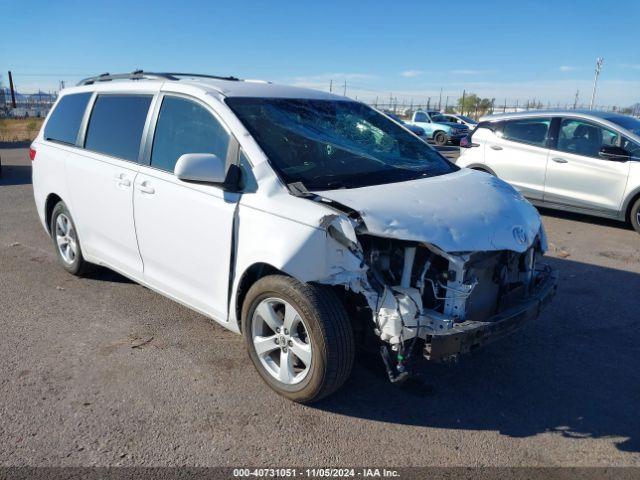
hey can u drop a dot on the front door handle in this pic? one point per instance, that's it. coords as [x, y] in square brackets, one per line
[560, 160]
[144, 187]
[123, 181]
[496, 147]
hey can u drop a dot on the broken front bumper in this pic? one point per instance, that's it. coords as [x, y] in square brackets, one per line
[467, 336]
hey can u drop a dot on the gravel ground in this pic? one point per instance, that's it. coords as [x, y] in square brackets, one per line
[102, 371]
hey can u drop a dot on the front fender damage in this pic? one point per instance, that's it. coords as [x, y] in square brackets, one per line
[416, 292]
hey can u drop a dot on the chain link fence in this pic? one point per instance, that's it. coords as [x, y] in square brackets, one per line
[406, 109]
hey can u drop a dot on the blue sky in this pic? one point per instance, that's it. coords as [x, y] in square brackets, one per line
[411, 49]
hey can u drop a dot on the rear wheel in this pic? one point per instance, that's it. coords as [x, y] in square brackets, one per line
[440, 138]
[634, 215]
[298, 336]
[66, 241]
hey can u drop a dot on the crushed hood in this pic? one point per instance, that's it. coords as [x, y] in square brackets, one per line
[459, 212]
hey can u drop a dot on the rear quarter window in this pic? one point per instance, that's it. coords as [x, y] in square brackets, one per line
[532, 131]
[116, 125]
[64, 123]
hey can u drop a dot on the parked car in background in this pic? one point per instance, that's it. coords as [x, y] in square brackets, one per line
[461, 120]
[419, 131]
[580, 161]
[438, 128]
[304, 220]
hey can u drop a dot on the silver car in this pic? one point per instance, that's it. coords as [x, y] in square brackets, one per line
[580, 161]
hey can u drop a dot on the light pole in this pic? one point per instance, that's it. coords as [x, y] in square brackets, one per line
[599, 62]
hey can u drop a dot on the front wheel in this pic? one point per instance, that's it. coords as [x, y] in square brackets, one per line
[634, 216]
[440, 138]
[298, 337]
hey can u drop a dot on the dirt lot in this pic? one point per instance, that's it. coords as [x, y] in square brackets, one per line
[101, 371]
[19, 129]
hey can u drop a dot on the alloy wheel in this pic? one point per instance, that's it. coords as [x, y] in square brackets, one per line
[281, 341]
[66, 239]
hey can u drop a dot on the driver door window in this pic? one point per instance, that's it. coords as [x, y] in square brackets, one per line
[632, 147]
[185, 127]
[583, 138]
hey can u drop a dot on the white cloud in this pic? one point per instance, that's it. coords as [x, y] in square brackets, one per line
[566, 68]
[411, 73]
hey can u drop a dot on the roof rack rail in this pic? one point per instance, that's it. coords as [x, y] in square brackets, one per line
[202, 75]
[142, 75]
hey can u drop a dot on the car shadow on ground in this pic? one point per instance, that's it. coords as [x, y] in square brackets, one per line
[578, 217]
[15, 175]
[16, 144]
[103, 274]
[575, 372]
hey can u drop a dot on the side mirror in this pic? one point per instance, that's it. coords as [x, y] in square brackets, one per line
[200, 167]
[611, 152]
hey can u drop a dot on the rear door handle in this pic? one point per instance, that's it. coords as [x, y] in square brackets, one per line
[144, 187]
[496, 147]
[123, 181]
[560, 160]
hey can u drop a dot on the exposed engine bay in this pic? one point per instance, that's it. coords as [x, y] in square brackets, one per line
[419, 297]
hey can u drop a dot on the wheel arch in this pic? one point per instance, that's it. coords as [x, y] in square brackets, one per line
[628, 204]
[436, 132]
[52, 200]
[481, 167]
[250, 276]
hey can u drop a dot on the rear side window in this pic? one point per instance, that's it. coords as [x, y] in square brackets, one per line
[64, 122]
[584, 138]
[421, 117]
[527, 130]
[183, 127]
[116, 124]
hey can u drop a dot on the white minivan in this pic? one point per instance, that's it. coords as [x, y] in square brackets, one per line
[583, 161]
[308, 222]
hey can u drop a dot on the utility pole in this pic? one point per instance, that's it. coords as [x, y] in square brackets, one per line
[330, 85]
[13, 93]
[599, 62]
[575, 99]
[446, 104]
[2, 97]
[440, 100]
[344, 93]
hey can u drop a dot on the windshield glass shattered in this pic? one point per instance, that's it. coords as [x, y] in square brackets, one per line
[331, 144]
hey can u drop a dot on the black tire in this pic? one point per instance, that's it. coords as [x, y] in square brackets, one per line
[329, 332]
[634, 215]
[440, 138]
[79, 266]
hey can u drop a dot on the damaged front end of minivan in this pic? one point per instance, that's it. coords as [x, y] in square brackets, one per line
[420, 298]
